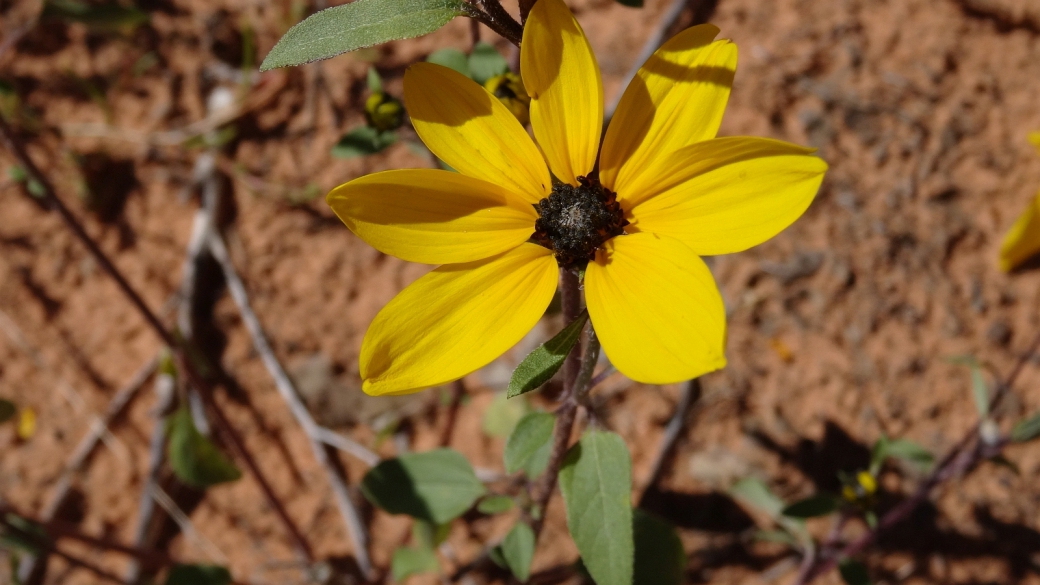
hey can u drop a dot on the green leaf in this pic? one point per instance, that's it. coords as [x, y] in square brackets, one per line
[878, 454]
[502, 414]
[362, 23]
[529, 446]
[495, 505]
[870, 517]
[451, 58]
[437, 486]
[194, 459]
[375, 83]
[755, 493]
[818, 505]
[7, 410]
[546, 359]
[596, 482]
[777, 536]
[23, 534]
[659, 557]
[198, 575]
[486, 62]
[105, 17]
[408, 561]
[910, 452]
[430, 535]
[980, 391]
[518, 550]
[853, 572]
[363, 141]
[1026, 430]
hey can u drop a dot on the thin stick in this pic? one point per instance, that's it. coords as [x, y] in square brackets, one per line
[51, 549]
[28, 566]
[691, 392]
[355, 527]
[338, 441]
[11, 142]
[962, 457]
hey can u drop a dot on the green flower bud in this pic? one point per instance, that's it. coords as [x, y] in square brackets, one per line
[383, 111]
[509, 89]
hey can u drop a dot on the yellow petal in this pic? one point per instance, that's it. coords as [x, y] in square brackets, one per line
[433, 216]
[456, 320]
[1022, 242]
[472, 131]
[729, 194]
[1034, 137]
[677, 98]
[656, 309]
[562, 77]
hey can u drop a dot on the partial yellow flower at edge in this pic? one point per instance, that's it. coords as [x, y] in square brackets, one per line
[651, 299]
[1022, 241]
[1035, 139]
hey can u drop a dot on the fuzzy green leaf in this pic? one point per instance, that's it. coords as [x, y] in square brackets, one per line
[451, 58]
[910, 452]
[495, 505]
[374, 82]
[1026, 430]
[362, 23]
[408, 561]
[854, 572]
[528, 446]
[811, 507]
[7, 410]
[198, 575]
[195, 459]
[437, 486]
[659, 555]
[518, 550]
[755, 493]
[546, 359]
[980, 391]
[502, 414]
[363, 141]
[486, 62]
[596, 482]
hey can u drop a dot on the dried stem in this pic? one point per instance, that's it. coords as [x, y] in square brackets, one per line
[286, 388]
[967, 453]
[12, 143]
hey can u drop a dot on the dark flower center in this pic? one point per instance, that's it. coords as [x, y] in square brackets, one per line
[574, 222]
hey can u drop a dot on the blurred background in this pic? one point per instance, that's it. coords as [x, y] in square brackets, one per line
[144, 113]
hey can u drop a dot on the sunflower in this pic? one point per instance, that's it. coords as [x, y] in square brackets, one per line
[636, 214]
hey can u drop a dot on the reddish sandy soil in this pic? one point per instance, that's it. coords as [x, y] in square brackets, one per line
[838, 327]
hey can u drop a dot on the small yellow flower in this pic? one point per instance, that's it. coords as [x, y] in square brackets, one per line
[383, 111]
[861, 492]
[509, 89]
[1022, 241]
[666, 191]
[26, 423]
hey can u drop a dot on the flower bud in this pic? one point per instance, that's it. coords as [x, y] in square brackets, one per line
[509, 89]
[383, 111]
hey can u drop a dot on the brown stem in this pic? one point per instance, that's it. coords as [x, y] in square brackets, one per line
[458, 390]
[572, 368]
[11, 142]
[962, 457]
[491, 13]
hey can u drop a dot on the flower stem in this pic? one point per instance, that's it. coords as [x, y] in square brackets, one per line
[577, 373]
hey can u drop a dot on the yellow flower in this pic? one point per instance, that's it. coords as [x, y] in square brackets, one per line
[509, 89]
[1022, 241]
[666, 192]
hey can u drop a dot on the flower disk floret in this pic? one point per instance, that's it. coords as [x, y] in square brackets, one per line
[662, 192]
